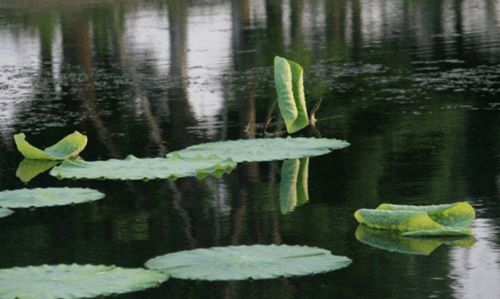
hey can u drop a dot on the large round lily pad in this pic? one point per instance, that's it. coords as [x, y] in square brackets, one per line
[74, 281]
[46, 197]
[247, 262]
[133, 168]
[264, 149]
[5, 212]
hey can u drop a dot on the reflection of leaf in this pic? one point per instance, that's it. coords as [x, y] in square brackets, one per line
[247, 262]
[5, 212]
[289, 84]
[420, 221]
[45, 197]
[69, 146]
[29, 169]
[293, 185]
[74, 281]
[134, 168]
[266, 149]
[395, 242]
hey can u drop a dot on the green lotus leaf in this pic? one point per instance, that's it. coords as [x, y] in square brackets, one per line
[288, 79]
[74, 281]
[69, 146]
[133, 168]
[247, 262]
[5, 212]
[28, 169]
[265, 149]
[395, 242]
[294, 184]
[420, 221]
[46, 197]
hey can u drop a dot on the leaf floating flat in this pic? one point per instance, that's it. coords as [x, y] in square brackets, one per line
[420, 221]
[74, 281]
[394, 241]
[28, 169]
[46, 197]
[5, 212]
[69, 146]
[134, 168]
[247, 262]
[288, 79]
[265, 149]
[294, 184]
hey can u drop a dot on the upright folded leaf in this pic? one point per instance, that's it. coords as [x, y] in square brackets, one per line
[69, 146]
[288, 79]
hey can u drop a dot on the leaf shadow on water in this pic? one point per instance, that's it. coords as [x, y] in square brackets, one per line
[395, 242]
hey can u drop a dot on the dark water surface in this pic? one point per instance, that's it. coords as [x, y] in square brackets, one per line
[414, 86]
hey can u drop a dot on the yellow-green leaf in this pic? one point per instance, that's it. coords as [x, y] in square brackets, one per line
[69, 146]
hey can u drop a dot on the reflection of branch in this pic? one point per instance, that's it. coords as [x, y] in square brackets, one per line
[183, 213]
[155, 129]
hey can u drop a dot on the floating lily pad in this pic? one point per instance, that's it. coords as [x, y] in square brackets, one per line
[5, 212]
[294, 184]
[74, 281]
[395, 242]
[247, 262]
[46, 197]
[265, 149]
[288, 79]
[420, 221]
[69, 146]
[133, 168]
[29, 169]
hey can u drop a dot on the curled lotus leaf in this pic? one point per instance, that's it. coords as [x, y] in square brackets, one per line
[69, 146]
[46, 197]
[247, 262]
[133, 168]
[74, 281]
[263, 149]
[28, 169]
[5, 212]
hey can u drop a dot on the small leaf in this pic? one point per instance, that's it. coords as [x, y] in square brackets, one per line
[133, 168]
[265, 149]
[247, 262]
[29, 169]
[69, 146]
[395, 242]
[46, 197]
[288, 79]
[5, 212]
[293, 185]
[74, 281]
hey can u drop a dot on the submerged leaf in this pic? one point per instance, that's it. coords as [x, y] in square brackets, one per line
[288, 79]
[395, 242]
[293, 186]
[74, 281]
[5, 212]
[266, 149]
[29, 169]
[134, 168]
[420, 221]
[45, 197]
[69, 146]
[247, 262]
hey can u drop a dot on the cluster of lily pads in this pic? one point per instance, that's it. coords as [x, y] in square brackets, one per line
[214, 158]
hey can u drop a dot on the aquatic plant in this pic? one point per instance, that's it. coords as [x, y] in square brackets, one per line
[69, 146]
[46, 197]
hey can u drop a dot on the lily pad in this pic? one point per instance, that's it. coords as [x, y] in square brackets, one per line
[46, 197]
[247, 262]
[133, 168]
[74, 281]
[395, 242]
[420, 221]
[5, 212]
[69, 146]
[28, 169]
[289, 82]
[294, 184]
[265, 149]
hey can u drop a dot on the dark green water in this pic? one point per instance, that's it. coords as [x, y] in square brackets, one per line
[414, 86]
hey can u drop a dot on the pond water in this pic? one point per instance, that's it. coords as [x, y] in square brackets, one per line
[414, 86]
